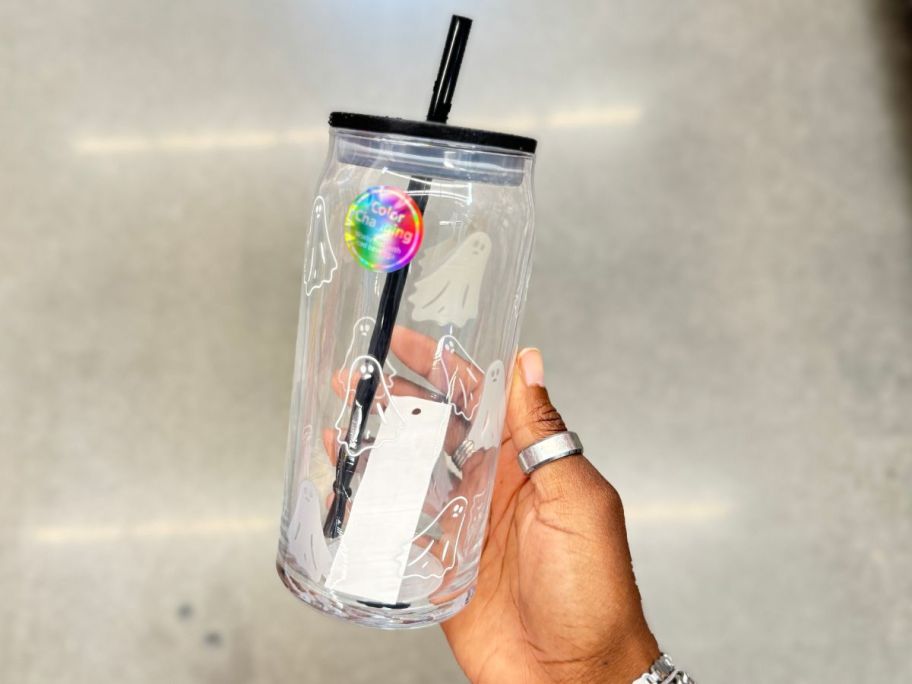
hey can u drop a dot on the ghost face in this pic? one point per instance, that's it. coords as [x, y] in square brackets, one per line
[478, 245]
[495, 374]
[363, 326]
[359, 344]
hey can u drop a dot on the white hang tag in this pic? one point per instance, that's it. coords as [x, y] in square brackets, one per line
[375, 546]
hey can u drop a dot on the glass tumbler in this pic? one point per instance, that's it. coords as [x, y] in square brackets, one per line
[416, 267]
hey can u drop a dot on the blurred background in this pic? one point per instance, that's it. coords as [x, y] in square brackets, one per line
[722, 293]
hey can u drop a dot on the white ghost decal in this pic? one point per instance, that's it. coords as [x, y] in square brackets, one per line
[306, 543]
[391, 420]
[437, 553]
[461, 373]
[450, 294]
[489, 416]
[320, 263]
[359, 345]
[430, 257]
[474, 535]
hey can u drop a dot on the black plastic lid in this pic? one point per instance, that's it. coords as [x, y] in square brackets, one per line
[435, 131]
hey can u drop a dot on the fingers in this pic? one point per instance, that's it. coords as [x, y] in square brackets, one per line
[395, 385]
[443, 363]
[399, 387]
[438, 362]
[414, 349]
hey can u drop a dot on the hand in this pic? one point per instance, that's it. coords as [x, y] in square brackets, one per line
[556, 600]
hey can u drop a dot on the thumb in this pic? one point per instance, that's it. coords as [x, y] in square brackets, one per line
[532, 417]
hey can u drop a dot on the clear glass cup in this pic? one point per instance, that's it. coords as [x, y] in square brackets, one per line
[387, 491]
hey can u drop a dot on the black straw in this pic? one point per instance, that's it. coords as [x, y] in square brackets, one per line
[393, 288]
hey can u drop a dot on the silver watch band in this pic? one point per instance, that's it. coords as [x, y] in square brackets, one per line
[663, 671]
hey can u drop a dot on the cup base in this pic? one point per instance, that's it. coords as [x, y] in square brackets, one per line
[350, 609]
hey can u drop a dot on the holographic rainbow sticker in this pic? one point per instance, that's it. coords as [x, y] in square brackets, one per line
[383, 228]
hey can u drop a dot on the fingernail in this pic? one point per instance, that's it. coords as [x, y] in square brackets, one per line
[533, 368]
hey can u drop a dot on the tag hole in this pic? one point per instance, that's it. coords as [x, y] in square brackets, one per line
[416, 411]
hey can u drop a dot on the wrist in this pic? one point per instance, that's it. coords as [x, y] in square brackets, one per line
[626, 659]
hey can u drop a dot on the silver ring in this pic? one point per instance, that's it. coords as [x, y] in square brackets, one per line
[462, 453]
[549, 449]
